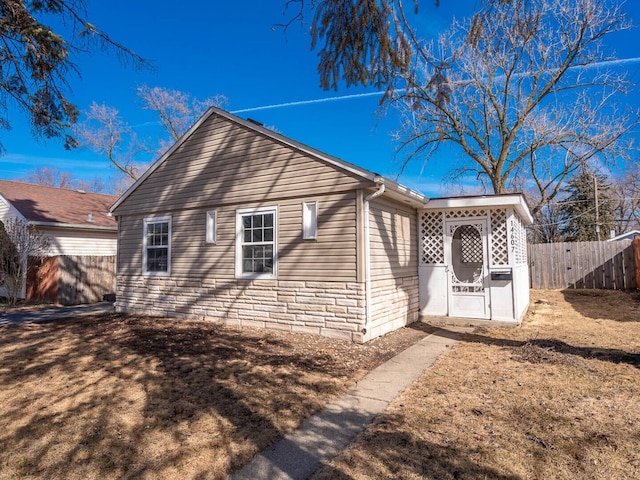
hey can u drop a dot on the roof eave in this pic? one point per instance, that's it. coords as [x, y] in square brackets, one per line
[73, 226]
[401, 193]
[515, 200]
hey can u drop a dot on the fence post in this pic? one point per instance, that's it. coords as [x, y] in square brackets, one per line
[636, 256]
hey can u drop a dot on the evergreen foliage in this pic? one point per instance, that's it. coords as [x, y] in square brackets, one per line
[578, 211]
[36, 61]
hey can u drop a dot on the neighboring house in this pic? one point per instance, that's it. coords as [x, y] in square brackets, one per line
[626, 236]
[242, 225]
[76, 223]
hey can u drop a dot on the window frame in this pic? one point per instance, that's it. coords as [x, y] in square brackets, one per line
[211, 227]
[240, 214]
[154, 273]
[310, 220]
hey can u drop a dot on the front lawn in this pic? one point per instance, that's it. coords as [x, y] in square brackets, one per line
[138, 397]
[558, 398]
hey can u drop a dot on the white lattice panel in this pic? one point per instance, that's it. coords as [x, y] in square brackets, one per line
[470, 244]
[499, 241]
[467, 212]
[432, 240]
[518, 241]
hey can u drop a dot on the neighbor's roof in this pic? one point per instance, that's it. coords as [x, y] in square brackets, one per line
[59, 207]
[393, 189]
[626, 236]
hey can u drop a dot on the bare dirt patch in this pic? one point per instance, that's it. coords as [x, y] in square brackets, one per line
[558, 398]
[137, 397]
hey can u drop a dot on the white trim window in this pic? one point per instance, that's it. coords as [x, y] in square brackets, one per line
[310, 220]
[256, 242]
[156, 246]
[211, 226]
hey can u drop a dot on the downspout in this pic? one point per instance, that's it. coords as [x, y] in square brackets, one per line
[367, 257]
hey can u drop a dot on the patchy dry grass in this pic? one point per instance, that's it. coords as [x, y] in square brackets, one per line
[558, 398]
[134, 397]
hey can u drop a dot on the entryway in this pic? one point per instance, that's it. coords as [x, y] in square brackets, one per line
[473, 259]
[467, 268]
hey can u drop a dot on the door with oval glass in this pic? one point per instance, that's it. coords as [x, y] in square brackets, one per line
[467, 268]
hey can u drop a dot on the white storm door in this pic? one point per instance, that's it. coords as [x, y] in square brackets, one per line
[467, 268]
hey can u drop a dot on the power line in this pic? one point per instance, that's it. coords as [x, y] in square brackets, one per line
[566, 220]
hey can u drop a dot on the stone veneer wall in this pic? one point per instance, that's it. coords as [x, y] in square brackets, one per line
[330, 309]
[394, 304]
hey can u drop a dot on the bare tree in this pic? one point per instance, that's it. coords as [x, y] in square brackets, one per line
[522, 90]
[96, 185]
[54, 177]
[105, 132]
[50, 177]
[176, 110]
[626, 195]
[19, 241]
[547, 226]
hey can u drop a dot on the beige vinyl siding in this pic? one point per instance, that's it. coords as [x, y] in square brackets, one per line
[226, 164]
[331, 257]
[394, 266]
[80, 242]
[393, 240]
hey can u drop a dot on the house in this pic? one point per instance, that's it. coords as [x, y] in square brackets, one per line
[238, 224]
[77, 225]
[626, 236]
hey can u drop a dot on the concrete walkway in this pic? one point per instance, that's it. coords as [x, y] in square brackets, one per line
[323, 436]
[55, 313]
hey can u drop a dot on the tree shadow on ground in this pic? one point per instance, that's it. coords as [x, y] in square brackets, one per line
[552, 345]
[549, 345]
[618, 306]
[124, 397]
[388, 450]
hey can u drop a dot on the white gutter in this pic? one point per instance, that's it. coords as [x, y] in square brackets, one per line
[73, 225]
[367, 257]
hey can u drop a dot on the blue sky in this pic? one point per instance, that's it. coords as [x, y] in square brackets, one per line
[211, 47]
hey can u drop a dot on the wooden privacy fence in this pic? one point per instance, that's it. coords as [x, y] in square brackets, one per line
[71, 279]
[609, 265]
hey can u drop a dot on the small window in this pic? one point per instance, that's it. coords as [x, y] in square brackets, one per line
[310, 220]
[256, 254]
[156, 258]
[211, 226]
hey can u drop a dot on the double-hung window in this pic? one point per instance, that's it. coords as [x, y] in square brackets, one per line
[256, 251]
[156, 256]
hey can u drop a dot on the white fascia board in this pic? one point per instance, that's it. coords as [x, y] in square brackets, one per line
[403, 194]
[515, 200]
[73, 226]
[630, 235]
